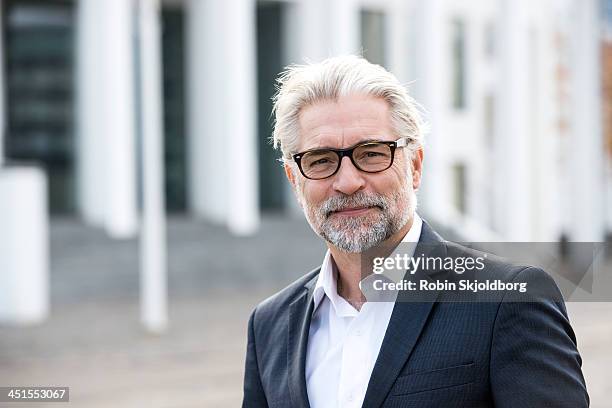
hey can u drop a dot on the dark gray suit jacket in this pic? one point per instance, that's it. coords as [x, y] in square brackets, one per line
[435, 353]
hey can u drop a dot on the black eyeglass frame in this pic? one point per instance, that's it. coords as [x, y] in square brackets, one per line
[348, 152]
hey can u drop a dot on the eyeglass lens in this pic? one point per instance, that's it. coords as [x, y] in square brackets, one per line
[370, 157]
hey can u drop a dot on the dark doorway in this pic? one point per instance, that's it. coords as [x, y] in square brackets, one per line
[269, 64]
[173, 49]
[39, 67]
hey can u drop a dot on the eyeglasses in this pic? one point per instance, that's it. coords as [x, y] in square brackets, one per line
[370, 157]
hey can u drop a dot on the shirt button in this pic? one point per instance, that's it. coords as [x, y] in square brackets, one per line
[358, 332]
[350, 398]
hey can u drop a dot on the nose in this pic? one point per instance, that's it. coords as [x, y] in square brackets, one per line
[348, 179]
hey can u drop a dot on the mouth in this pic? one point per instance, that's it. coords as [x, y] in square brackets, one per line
[353, 211]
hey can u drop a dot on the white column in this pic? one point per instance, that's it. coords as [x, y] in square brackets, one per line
[429, 70]
[154, 297]
[312, 27]
[2, 91]
[90, 137]
[292, 53]
[294, 50]
[544, 145]
[586, 156]
[24, 246]
[240, 121]
[119, 118]
[106, 166]
[291, 39]
[397, 42]
[343, 25]
[207, 141]
[327, 28]
[512, 127]
[222, 107]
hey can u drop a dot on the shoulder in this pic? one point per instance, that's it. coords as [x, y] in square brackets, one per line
[496, 267]
[528, 282]
[278, 304]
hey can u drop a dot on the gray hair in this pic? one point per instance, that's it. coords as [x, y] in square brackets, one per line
[303, 85]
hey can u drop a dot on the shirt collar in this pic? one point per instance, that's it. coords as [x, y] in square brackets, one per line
[326, 282]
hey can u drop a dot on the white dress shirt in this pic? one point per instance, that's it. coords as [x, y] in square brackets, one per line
[344, 343]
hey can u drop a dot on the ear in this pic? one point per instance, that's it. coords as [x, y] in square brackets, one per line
[291, 177]
[417, 168]
[289, 174]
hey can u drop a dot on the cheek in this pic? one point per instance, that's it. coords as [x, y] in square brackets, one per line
[314, 192]
[398, 176]
[401, 167]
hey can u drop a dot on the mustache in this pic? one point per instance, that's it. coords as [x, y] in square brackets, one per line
[361, 199]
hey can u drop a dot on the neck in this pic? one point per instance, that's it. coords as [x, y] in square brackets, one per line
[348, 265]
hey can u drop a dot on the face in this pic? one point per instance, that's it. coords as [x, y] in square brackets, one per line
[354, 210]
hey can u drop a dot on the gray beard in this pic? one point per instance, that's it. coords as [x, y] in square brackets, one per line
[360, 233]
[351, 235]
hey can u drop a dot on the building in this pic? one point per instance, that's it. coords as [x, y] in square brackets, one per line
[511, 89]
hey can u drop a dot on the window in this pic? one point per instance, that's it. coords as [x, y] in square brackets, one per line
[606, 6]
[489, 40]
[373, 36]
[460, 186]
[458, 63]
[489, 119]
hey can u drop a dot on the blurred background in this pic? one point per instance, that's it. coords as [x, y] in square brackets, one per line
[143, 212]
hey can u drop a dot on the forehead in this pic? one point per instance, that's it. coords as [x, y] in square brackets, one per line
[345, 122]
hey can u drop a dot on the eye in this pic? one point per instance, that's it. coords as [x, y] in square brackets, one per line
[370, 154]
[373, 154]
[320, 161]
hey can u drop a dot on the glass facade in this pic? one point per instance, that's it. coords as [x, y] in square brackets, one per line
[269, 65]
[39, 46]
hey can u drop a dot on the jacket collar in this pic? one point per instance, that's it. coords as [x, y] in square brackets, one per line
[405, 326]
[406, 323]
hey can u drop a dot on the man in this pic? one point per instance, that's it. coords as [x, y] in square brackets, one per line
[351, 140]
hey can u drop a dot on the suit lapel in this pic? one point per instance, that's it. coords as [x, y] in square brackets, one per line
[300, 312]
[405, 326]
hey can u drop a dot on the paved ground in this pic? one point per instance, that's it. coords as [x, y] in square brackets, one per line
[93, 341]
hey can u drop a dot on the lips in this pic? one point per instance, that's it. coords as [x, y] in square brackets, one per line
[353, 211]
